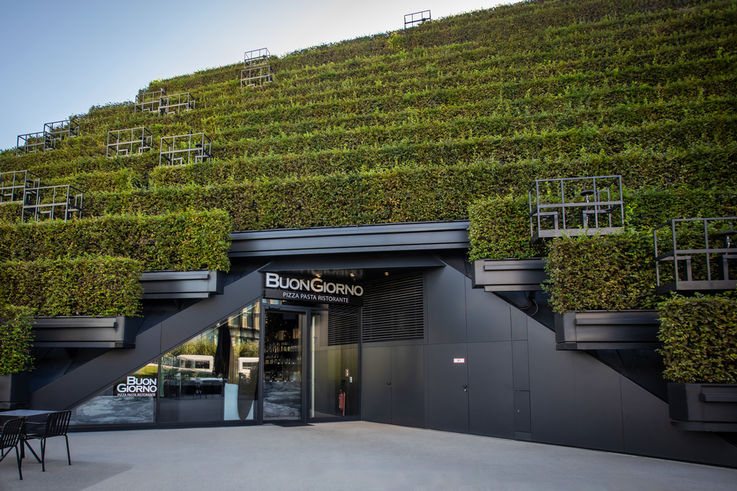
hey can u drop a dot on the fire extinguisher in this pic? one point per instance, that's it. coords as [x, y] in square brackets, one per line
[341, 402]
[341, 397]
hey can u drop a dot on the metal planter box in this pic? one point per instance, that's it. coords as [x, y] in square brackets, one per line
[606, 329]
[509, 275]
[85, 332]
[703, 407]
[181, 284]
[14, 392]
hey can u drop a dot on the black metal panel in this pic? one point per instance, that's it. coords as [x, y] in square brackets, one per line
[487, 316]
[591, 330]
[574, 399]
[446, 306]
[85, 332]
[648, 431]
[394, 310]
[353, 261]
[522, 412]
[96, 374]
[447, 387]
[181, 284]
[408, 388]
[519, 324]
[364, 238]
[521, 363]
[704, 407]
[509, 275]
[343, 322]
[490, 395]
[376, 372]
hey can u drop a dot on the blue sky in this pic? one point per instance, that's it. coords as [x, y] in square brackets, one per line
[61, 57]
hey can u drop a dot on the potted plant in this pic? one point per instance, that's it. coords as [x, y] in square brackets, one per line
[699, 336]
[16, 339]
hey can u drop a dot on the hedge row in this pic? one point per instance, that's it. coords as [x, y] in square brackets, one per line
[11, 212]
[402, 194]
[116, 180]
[99, 286]
[500, 225]
[16, 339]
[613, 272]
[183, 241]
[608, 94]
[699, 336]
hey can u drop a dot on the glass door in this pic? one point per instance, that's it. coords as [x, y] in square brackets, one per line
[283, 365]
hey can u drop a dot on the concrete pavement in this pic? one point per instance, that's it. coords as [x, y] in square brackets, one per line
[342, 456]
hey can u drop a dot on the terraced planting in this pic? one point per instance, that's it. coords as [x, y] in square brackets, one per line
[420, 124]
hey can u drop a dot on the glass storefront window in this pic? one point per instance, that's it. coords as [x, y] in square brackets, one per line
[131, 400]
[211, 377]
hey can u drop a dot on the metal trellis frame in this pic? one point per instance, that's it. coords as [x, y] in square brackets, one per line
[257, 69]
[14, 182]
[52, 202]
[416, 18]
[702, 252]
[128, 141]
[58, 130]
[33, 142]
[573, 206]
[149, 101]
[185, 149]
[176, 103]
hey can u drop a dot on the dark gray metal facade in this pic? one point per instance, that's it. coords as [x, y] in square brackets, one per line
[181, 284]
[85, 332]
[509, 275]
[597, 330]
[428, 236]
[483, 366]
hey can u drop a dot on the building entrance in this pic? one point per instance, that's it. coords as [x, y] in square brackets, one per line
[283, 365]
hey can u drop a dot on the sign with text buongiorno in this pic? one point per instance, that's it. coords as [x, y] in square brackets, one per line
[314, 290]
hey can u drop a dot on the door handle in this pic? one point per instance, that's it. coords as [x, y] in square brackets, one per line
[465, 387]
[388, 382]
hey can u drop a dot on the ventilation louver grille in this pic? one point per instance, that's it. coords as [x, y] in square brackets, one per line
[342, 324]
[393, 310]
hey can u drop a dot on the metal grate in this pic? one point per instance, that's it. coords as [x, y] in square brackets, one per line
[393, 310]
[342, 324]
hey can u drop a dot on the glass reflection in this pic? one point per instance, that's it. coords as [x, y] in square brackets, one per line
[131, 400]
[213, 376]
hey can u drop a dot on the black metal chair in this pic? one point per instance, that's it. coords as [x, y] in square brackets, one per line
[11, 438]
[56, 424]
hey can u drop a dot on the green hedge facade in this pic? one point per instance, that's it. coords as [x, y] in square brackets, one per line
[97, 286]
[180, 241]
[699, 337]
[16, 339]
[612, 272]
